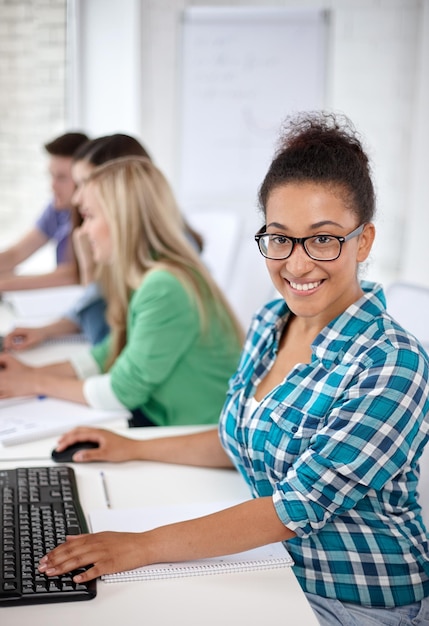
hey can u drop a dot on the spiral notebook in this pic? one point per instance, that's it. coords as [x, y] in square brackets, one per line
[270, 556]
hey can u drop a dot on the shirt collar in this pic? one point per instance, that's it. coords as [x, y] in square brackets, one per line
[335, 338]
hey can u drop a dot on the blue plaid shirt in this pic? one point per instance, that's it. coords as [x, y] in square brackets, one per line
[336, 445]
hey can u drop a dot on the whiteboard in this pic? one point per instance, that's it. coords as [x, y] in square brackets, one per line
[243, 70]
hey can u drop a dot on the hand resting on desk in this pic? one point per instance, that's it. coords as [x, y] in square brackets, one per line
[24, 338]
[15, 377]
[202, 449]
[66, 455]
[111, 447]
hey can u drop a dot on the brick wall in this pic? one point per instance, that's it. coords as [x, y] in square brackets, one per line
[32, 105]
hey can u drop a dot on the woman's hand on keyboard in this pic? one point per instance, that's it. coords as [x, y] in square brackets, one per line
[105, 553]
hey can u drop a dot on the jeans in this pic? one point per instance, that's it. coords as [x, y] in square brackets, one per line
[335, 613]
[92, 321]
[139, 419]
[88, 313]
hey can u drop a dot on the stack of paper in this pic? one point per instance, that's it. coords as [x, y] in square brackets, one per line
[29, 419]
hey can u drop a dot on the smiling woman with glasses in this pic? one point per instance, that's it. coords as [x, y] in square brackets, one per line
[325, 417]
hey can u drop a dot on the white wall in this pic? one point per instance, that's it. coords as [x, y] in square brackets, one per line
[378, 75]
[105, 65]
[124, 75]
[415, 241]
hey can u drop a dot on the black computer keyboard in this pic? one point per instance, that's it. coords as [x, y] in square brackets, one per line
[39, 506]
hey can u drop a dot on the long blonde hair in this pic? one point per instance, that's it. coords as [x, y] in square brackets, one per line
[148, 232]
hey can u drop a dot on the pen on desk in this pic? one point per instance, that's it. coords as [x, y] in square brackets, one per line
[106, 493]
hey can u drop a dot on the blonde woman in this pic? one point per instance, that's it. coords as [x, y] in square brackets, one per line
[174, 341]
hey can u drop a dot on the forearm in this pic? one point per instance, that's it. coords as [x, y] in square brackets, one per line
[58, 384]
[8, 260]
[60, 369]
[202, 449]
[243, 527]
[225, 532]
[65, 274]
[58, 381]
[63, 326]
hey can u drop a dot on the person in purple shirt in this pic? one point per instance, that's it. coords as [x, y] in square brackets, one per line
[55, 224]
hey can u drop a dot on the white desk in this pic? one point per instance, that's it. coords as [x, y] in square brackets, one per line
[250, 598]
[46, 353]
[31, 307]
[43, 354]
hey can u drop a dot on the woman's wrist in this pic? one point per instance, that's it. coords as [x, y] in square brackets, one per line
[44, 333]
[38, 382]
[136, 450]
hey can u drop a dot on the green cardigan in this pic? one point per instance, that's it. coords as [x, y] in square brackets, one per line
[170, 369]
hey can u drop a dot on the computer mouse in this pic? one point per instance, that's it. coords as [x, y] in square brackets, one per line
[66, 455]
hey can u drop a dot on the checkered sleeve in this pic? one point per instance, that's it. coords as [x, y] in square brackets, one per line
[371, 433]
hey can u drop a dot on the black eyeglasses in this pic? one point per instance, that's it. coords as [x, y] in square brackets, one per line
[318, 247]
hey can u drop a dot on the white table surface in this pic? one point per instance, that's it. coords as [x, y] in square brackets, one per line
[250, 598]
[43, 354]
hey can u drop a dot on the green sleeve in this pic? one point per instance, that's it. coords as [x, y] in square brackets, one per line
[163, 322]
